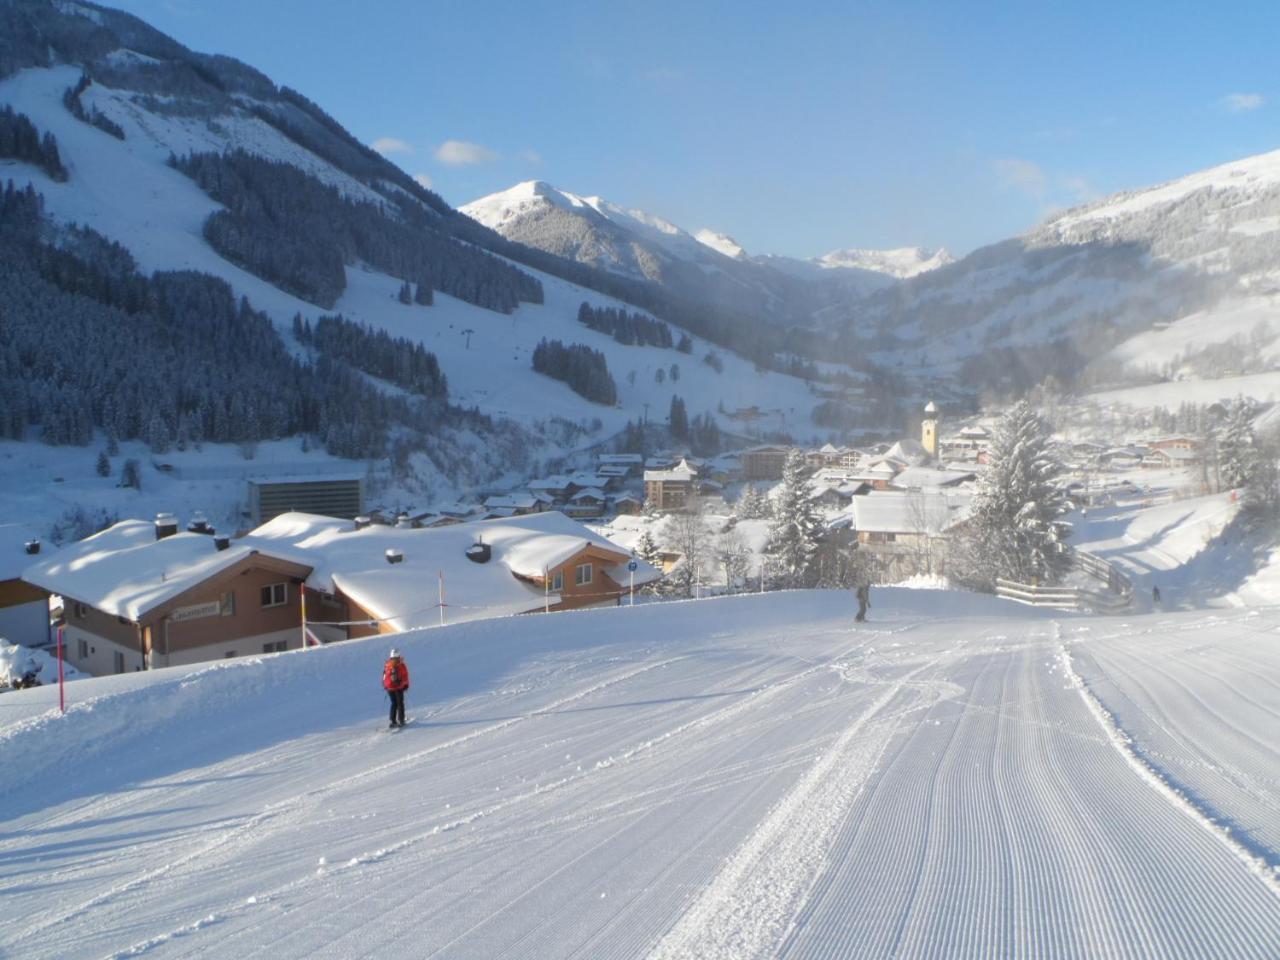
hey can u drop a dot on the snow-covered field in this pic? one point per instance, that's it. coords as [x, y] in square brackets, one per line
[743, 777]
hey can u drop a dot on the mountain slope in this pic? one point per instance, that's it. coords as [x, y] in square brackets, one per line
[1178, 279]
[122, 100]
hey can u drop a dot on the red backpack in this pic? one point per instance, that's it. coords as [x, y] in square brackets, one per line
[395, 675]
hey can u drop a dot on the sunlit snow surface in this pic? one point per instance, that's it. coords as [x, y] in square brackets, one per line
[745, 777]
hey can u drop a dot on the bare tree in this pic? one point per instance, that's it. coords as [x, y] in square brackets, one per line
[733, 557]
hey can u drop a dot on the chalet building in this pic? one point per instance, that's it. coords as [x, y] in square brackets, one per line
[586, 503]
[880, 471]
[627, 505]
[763, 462]
[905, 532]
[334, 495]
[671, 489]
[140, 595]
[1172, 457]
[385, 579]
[558, 487]
[613, 477]
[24, 607]
[512, 504]
[631, 463]
[1176, 443]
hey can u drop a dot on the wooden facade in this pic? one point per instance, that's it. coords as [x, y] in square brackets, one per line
[252, 607]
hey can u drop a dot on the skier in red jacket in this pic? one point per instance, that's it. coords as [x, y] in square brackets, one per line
[395, 680]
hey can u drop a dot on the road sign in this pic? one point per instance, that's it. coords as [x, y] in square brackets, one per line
[631, 565]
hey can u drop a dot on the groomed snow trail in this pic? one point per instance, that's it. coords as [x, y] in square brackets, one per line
[752, 777]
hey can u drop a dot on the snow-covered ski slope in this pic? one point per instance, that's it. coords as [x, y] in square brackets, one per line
[746, 777]
[126, 191]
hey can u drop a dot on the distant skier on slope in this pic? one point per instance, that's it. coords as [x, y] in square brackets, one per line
[395, 680]
[864, 601]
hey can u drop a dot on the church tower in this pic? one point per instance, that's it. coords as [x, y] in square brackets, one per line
[929, 429]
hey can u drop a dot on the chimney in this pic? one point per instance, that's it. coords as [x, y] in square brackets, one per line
[199, 524]
[394, 555]
[402, 522]
[361, 522]
[221, 543]
[166, 525]
[32, 546]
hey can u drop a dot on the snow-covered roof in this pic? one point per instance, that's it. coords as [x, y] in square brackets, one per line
[513, 501]
[404, 593]
[125, 571]
[924, 478]
[13, 550]
[909, 513]
[680, 472]
[619, 459]
[591, 493]
[908, 450]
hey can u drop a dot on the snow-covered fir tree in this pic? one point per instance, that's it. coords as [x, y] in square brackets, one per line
[751, 505]
[1236, 446]
[1016, 531]
[794, 532]
[647, 549]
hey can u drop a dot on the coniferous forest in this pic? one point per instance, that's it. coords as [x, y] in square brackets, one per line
[86, 341]
[582, 368]
[290, 229]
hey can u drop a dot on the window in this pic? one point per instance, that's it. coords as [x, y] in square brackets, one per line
[557, 582]
[228, 655]
[79, 610]
[118, 661]
[278, 647]
[82, 647]
[582, 574]
[227, 604]
[274, 595]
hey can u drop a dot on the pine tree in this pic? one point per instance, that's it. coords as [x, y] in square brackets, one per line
[1236, 448]
[406, 293]
[793, 535]
[647, 549]
[751, 505]
[104, 465]
[1015, 531]
[679, 419]
[131, 474]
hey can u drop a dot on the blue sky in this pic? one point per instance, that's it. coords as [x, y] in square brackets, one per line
[796, 128]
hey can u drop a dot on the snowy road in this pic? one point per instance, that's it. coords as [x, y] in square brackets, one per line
[737, 778]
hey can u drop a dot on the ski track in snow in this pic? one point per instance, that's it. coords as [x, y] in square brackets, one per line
[741, 778]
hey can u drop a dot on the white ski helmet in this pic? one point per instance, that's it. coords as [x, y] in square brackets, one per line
[394, 654]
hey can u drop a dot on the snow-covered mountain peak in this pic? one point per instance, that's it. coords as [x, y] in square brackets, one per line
[721, 243]
[901, 262]
[1248, 175]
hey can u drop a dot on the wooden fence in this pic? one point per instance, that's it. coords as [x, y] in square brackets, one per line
[1114, 597]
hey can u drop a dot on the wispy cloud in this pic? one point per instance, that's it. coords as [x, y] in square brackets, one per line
[423, 180]
[1241, 102]
[530, 156]
[385, 145]
[1022, 175]
[461, 153]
